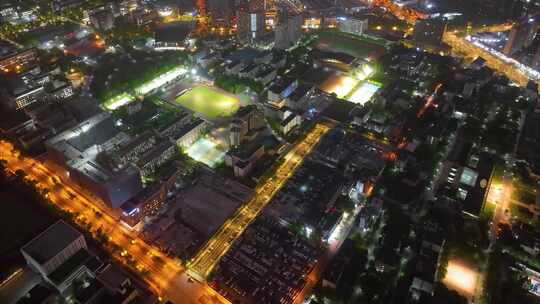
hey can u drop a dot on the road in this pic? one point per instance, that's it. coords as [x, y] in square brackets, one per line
[215, 248]
[500, 194]
[468, 49]
[460, 46]
[163, 274]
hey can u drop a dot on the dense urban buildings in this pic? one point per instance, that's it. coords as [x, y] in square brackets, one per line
[269, 151]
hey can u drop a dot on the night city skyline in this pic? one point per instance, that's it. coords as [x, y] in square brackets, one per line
[270, 151]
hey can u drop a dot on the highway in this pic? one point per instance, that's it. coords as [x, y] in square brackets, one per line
[162, 274]
[215, 248]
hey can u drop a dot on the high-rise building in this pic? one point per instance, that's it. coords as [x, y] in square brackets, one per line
[246, 119]
[220, 11]
[536, 59]
[521, 36]
[429, 30]
[288, 31]
[250, 26]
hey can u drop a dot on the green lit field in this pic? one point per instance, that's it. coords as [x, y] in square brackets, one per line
[209, 102]
[356, 46]
[206, 151]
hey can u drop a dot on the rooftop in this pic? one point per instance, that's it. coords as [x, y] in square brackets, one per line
[75, 262]
[51, 241]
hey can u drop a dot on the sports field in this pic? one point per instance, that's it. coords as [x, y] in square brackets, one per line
[206, 151]
[209, 102]
[364, 93]
[356, 46]
[349, 88]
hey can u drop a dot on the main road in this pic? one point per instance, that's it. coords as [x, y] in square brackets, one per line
[203, 263]
[165, 276]
[461, 46]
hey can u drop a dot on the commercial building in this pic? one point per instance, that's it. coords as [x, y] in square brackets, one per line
[80, 151]
[288, 31]
[50, 249]
[353, 25]
[266, 75]
[60, 256]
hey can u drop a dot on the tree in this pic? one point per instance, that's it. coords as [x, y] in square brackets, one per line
[20, 176]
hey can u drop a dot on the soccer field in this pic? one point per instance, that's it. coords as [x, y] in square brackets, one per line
[209, 102]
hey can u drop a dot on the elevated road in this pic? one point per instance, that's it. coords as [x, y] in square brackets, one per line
[203, 263]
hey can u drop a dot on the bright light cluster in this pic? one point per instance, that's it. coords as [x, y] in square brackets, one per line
[461, 278]
[528, 71]
[160, 80]
[206, 151]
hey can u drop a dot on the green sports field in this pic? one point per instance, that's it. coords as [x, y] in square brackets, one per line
[356, 46]
[209, 102]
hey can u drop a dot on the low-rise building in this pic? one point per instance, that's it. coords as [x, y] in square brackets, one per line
[281, 89]
[51, 248]
[17, 60]
[234, 67]
[154, 158]
[19, 95]
[150, 200]
[266, 75]
[299, 98]
[189, 133]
